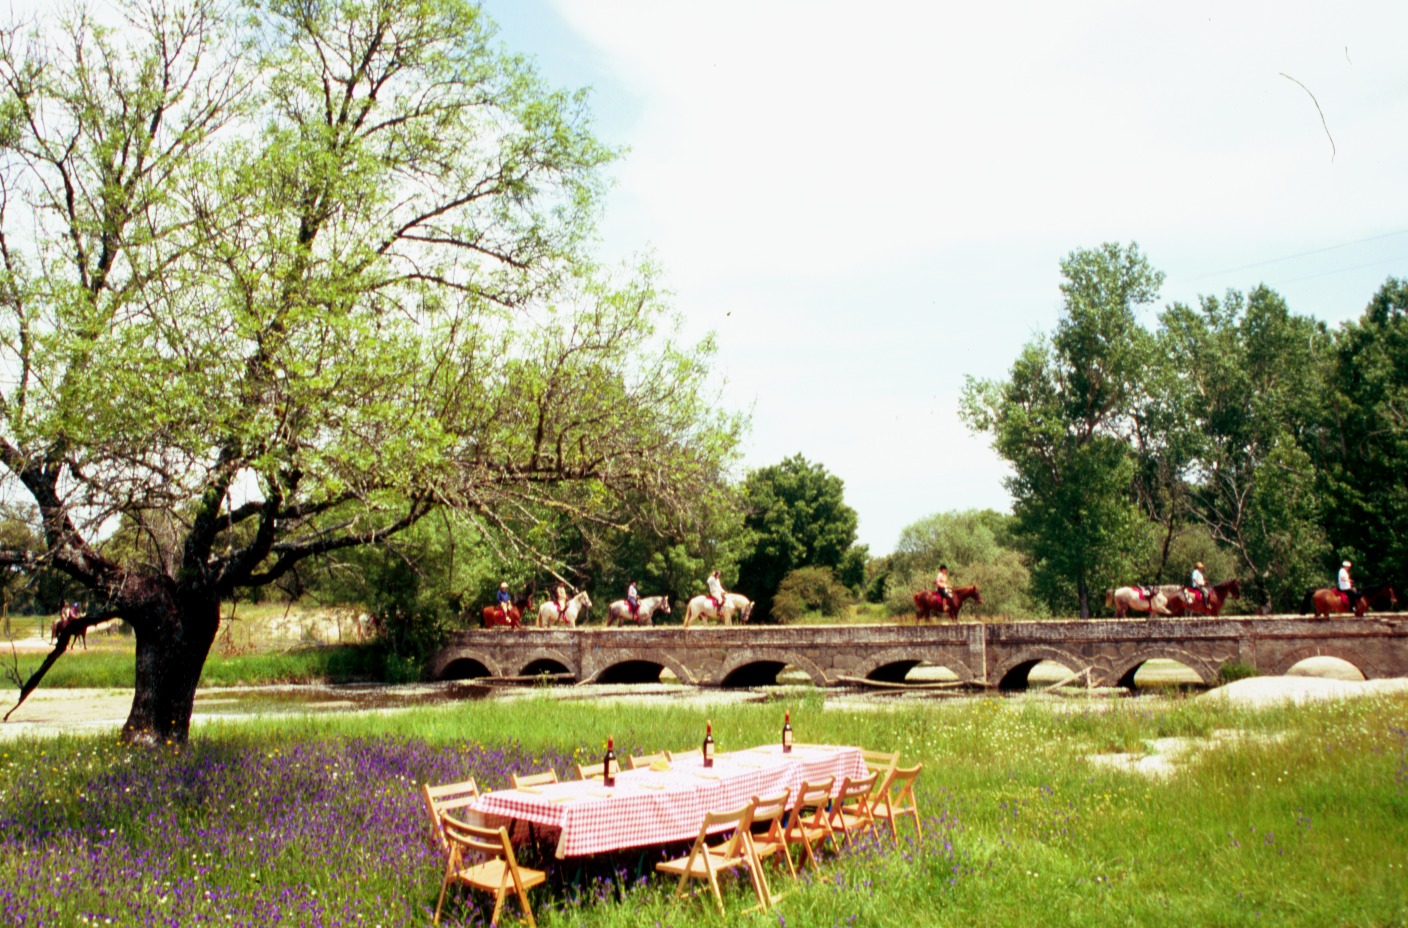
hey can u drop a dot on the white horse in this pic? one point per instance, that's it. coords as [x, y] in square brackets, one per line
[702, 607]
[618, 612]
[1131, 598]
[548, 614]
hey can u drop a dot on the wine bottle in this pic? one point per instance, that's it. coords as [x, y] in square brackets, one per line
[708, 744]
[787, 733]
[608, 765]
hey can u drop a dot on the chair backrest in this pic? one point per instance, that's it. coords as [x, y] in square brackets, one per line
[857, 790]
[591, 771]
[534, 779]
[881, 762]
[645, 760]
[900, 794]
[768, 812]
[812, 796]
[487, 842]
[740, 819]
[449, 796]
[691, 754]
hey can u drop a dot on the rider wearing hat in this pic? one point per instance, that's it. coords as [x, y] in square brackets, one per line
[1345, 584]
[1198, 582]
[633, 600]
[716, 590]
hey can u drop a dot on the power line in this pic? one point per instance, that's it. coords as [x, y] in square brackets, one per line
[1303, 254]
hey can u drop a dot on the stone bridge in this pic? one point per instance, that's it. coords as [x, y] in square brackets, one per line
[998, 654]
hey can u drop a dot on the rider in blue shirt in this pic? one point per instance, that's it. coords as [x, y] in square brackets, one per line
[505, 600]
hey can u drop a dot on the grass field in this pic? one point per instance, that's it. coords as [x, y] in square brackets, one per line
[1300, 820]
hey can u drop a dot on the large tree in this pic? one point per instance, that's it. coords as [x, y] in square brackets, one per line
[1365, 448]
[797, 517]
[1064, 420]
[279, 280]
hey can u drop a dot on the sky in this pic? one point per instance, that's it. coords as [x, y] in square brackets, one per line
[869, 203]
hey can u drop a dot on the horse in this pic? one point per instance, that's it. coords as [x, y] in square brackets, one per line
[1126, 598]
[494, 616]
[548, 614]
[619, 611]
[1327, 601]
[702, 607]
[61, 624]
[1179, 602]
[928, 604]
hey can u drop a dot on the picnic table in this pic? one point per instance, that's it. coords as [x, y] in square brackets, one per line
[658, 806]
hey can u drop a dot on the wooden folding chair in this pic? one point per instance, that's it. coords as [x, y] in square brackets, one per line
[767, 839]
[645, 760]
[497, 870]
[850, 810]
[446, 798]
[706, 861]
[883, 763]
[898, 799]
[691, 754]
[809, 823]
[533, 779]
[591, 771]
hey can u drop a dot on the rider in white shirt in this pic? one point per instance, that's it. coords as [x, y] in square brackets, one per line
[1199, 583]
[1346, 583]
[716, 589]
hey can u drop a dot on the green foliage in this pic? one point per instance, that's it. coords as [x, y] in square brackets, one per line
[1235, 670]
[1365, 452]
[1062, 421]
[968, 542]
[796, 517]
[810, 589]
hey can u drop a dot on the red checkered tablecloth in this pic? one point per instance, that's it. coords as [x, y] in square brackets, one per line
[648, 807]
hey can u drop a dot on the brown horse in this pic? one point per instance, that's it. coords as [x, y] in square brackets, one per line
[494, 616]
[1185, 602]
[928, 604]
[1333, 601]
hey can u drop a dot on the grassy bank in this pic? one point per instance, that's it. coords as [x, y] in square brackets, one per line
[1299, 821]
[110, 665]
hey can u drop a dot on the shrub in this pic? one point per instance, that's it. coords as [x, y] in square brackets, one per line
[809, 589]
[1235, 670]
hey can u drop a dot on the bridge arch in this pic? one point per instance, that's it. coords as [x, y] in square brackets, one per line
[1206, 669]
[543, 660]
[749, 669]
[1012, 672]
[899, 661]
[1350, 656]
[634, 668]
[465, 665]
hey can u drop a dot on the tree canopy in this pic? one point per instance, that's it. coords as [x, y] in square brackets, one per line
[279, 280]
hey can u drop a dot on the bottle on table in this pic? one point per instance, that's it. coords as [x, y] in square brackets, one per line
[608, 765]
[708, 744]
[787, 733]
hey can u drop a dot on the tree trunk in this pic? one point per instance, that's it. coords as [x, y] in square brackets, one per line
[1083, 593]
[173, 640]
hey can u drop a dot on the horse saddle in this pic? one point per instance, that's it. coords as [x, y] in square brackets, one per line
[718, 603]
[1344, 598]
[1194, 595]
[1145, 592]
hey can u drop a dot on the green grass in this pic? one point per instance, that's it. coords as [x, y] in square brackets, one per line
[109, 664]
[1301, 821]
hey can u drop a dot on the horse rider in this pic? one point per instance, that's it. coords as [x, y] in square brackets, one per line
[941, 588]
[1345, 583]
[504, 599]
[633, 600]
[561, 594]
[1199, 583]
[716, 590]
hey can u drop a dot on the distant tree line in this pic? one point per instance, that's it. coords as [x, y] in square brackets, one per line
[1235, 432]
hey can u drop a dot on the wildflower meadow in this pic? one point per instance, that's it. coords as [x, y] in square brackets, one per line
[1293, 816]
